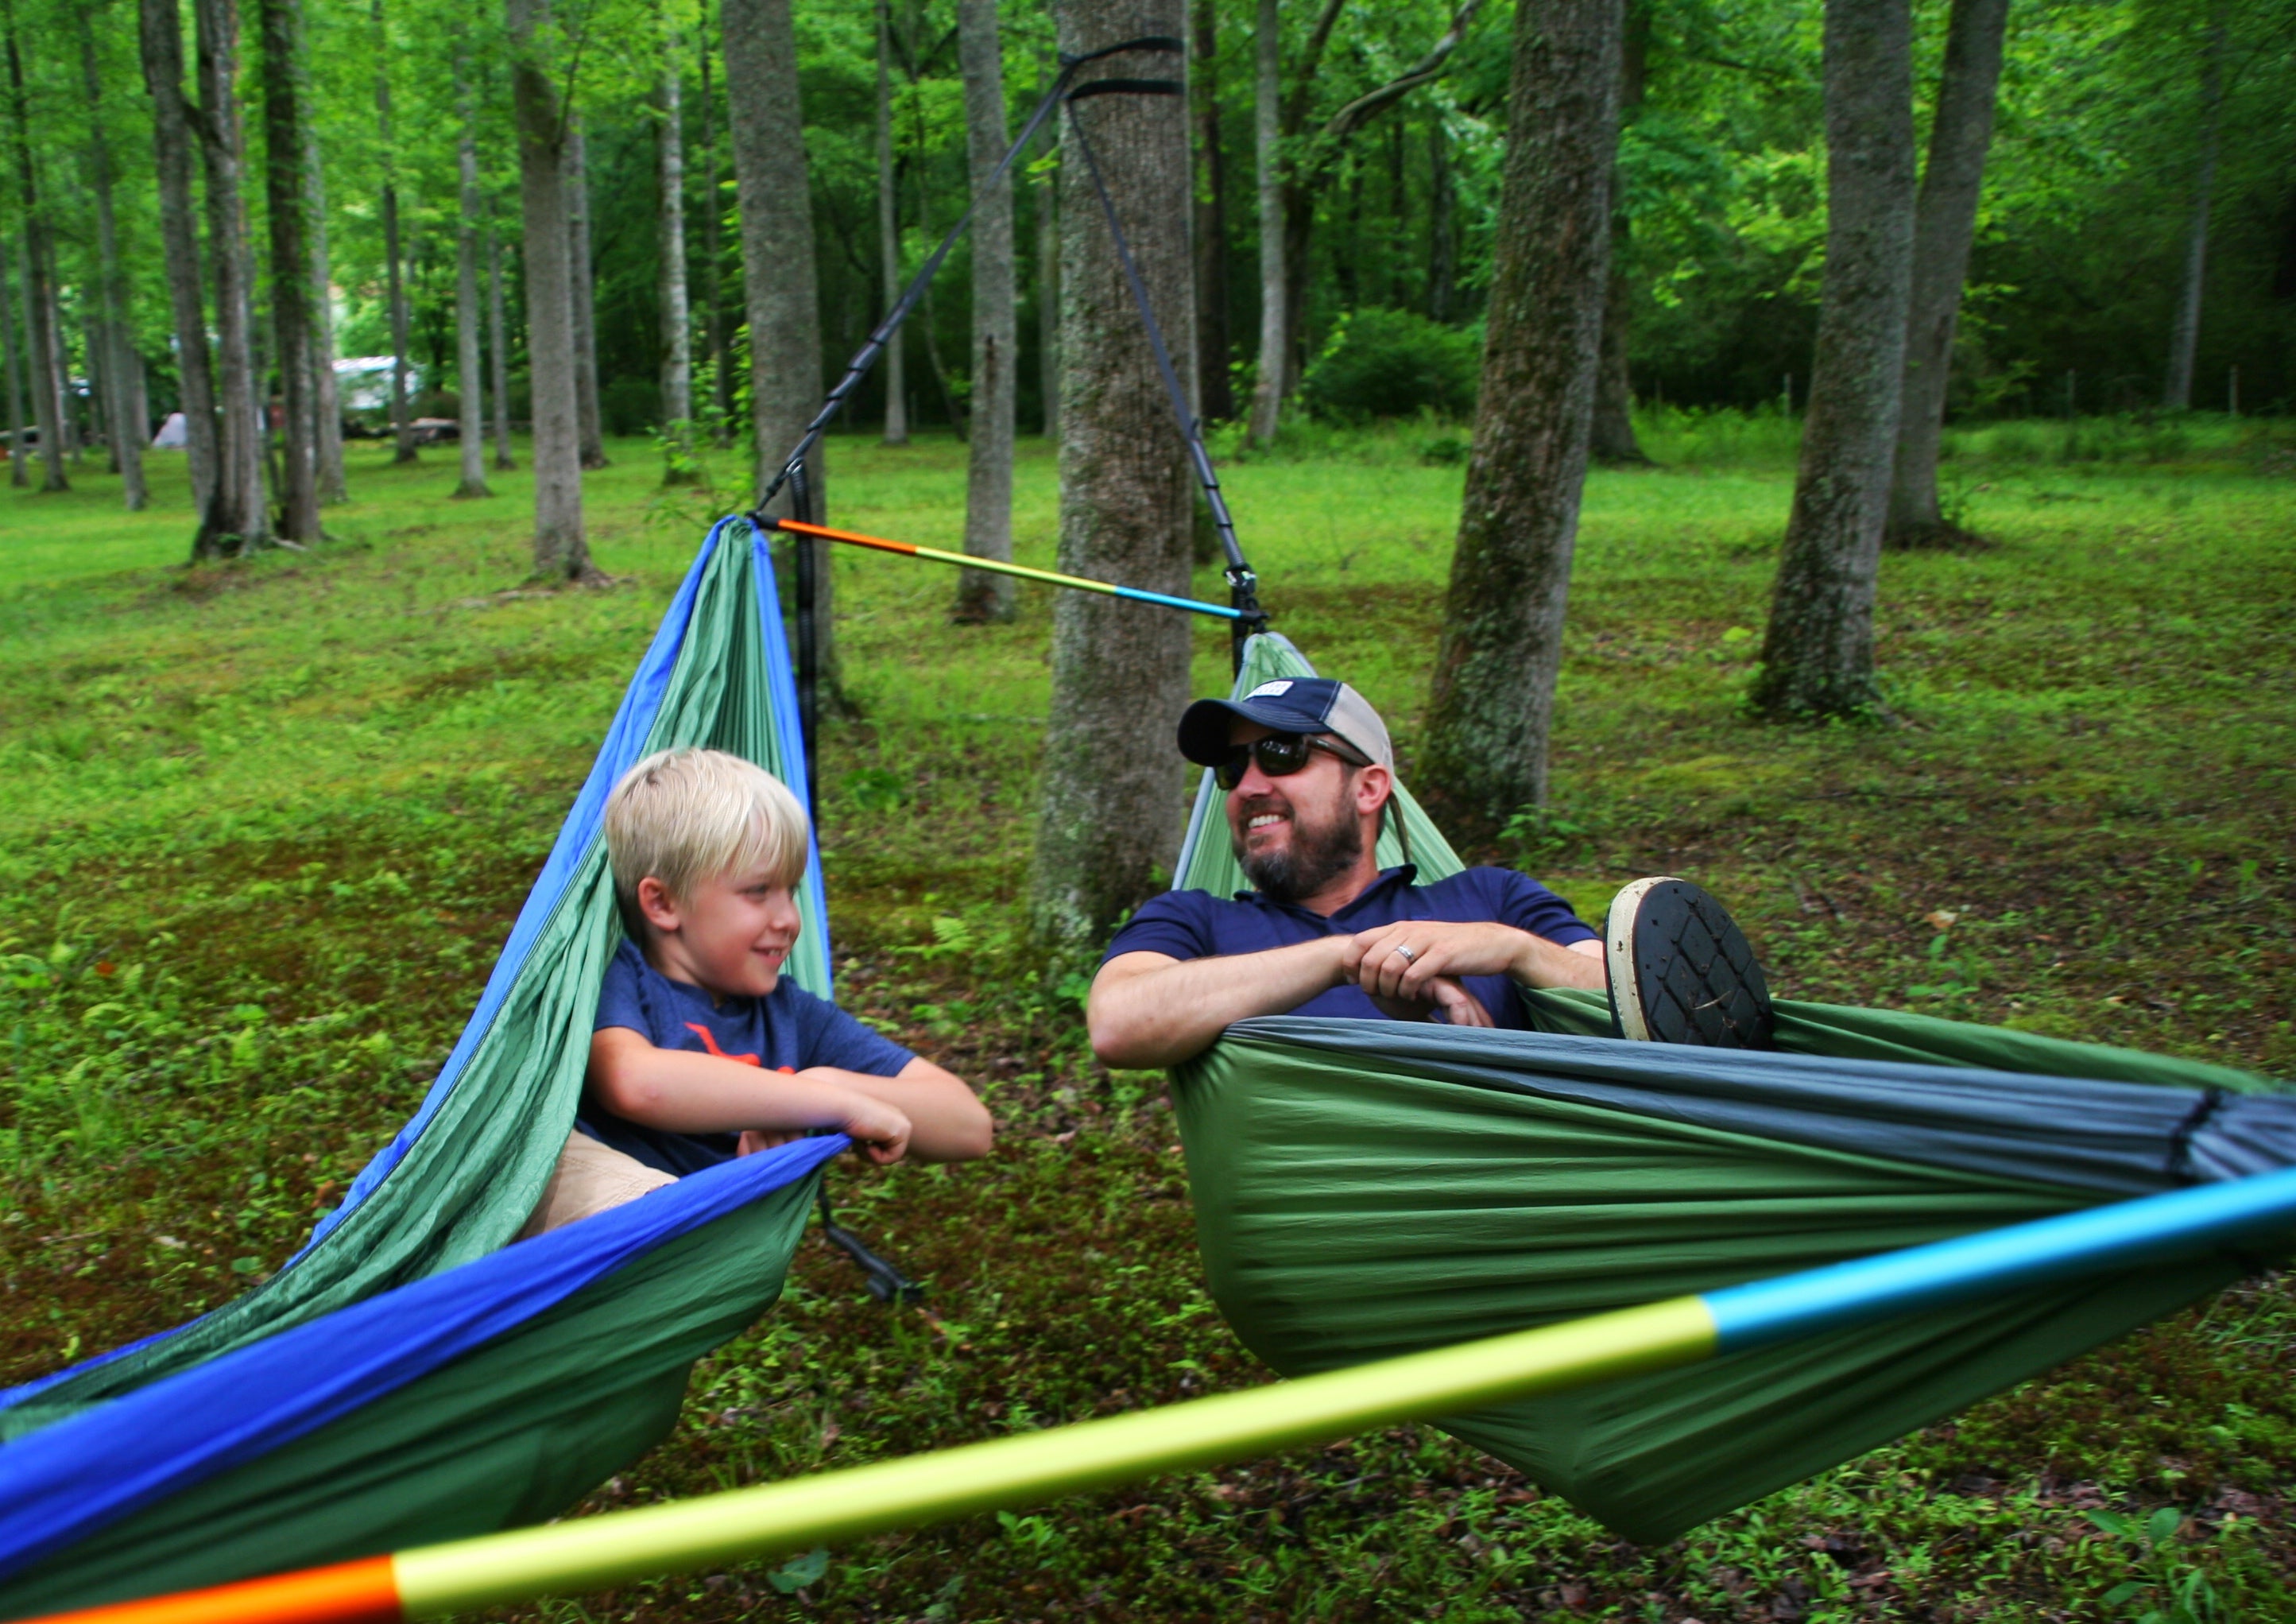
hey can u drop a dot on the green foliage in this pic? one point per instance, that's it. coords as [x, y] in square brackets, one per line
[1381, 364]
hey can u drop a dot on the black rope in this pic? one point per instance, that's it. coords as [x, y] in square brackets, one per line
[1242, 584]
[2180, 1164]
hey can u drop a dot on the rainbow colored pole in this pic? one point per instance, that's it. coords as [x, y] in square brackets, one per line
[1051, 578]
[1031, 1468]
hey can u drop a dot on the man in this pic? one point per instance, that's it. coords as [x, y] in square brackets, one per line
[1309, 772]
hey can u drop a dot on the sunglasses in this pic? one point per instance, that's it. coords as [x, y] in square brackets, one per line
[1279, 755]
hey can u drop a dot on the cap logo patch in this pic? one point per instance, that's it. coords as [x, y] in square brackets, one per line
[1269, 690]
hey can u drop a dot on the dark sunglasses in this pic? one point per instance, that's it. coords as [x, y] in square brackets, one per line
[1279, 755]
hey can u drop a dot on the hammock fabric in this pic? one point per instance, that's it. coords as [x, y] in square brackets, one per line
[1365, 1189]
[404, 1376]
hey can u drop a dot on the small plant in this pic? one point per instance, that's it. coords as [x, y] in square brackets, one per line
[2174, 1590]
[1390, 364]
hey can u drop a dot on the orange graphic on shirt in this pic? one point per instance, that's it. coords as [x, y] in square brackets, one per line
[710, 1044]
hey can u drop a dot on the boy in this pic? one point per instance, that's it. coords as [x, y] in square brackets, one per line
[702, 1051]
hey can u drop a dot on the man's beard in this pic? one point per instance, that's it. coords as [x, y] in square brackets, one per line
[1313, 857]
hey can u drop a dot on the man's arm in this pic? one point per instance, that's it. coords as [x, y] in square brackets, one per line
[1441, 948]
[1149, 1010]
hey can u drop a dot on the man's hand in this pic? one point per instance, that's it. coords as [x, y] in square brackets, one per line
[1404, 960]
[1450, 997]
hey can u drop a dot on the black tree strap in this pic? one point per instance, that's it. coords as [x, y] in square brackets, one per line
[1242, 584]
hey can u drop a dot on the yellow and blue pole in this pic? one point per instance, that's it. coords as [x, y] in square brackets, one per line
[1049, 577]
[1008, 1473]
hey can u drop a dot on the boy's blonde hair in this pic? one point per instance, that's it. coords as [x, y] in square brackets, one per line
[687, 816]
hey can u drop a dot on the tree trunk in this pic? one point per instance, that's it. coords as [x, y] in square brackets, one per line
[1048, 297]
[470, 413]
[981, 596]
[1217, 404]
[326, 400]
[1113, 793]
[1945, 225]
[2185, 332]
[1818, 658]
[1267, 136]
[162, 34]
[15, 371]
[402, 423]
[47, 393]
[112, 290]
[586, 304]
[561, 550]
[236, 522]
[713, 260]
[777, 270]
[284, 147]
[498, 348]
[1493, 694]
[1614, 442]
[677, 320]
[101, 396]
[888, 235]
[1442, 228]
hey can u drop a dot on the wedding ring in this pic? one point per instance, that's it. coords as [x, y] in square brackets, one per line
[1409, 956]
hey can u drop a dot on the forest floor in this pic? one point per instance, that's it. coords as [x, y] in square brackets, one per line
[267, 823]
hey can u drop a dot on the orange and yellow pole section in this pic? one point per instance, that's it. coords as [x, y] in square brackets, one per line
[1049, 577]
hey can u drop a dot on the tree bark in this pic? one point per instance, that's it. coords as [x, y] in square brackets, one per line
[888, 235]
[326, 398]
[2185, 330]
[470, 413]
[111, 291]
[1267, 152]
[981, 596]
[401, 422]
[676, 319]
[777, 270]
[47, 389]
[237, 521]
[1945, 225]
[713, 259]
[1442, 227]
[162, 36]
[15, 371]
[585, 305]
[1113, 797]
[1818, 658]
[1212, 344]
[284, 147]
[1493, 694]
[1048, 296]
[498, 348]
[1615, 443]
[561, 550]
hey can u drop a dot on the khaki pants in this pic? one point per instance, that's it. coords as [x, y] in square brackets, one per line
[590, 1178]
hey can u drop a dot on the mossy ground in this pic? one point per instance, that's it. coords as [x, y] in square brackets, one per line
[267, 823]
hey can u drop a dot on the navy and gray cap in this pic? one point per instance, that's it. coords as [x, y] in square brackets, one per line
[1288, 704]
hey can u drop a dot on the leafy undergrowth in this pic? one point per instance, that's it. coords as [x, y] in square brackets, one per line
[268, 824]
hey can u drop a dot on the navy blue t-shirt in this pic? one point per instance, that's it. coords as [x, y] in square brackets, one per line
[788, 1027]
[1197, 924]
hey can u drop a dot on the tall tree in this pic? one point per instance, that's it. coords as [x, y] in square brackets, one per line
[161, 31]
[779, 277]
[1945, 225]
[15, 368]
[236, 520]
[2184, 328]
[1111, 801]
[677, 320]
[1818, 657]
[560, 549]
[128, 435]
[1268, 156]
[48, 383]
[1614, 439]
[981, 595]
[1048, 295]
[1493, 696]
[888, 233]
[401, 422]
[1212, 345]
[326, 398]
[589, 416]
[470, 414]
[498, 348]
[713, 259]
[1442, 225]
[281, 23]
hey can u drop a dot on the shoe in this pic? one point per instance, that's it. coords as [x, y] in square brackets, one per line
[1682, 972]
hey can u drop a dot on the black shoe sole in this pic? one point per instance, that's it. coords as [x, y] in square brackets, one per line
[1682, 972]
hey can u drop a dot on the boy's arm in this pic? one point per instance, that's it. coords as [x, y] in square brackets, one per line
[681, 1092]
[947, 1122]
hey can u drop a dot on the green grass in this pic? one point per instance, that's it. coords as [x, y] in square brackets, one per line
[267, 823]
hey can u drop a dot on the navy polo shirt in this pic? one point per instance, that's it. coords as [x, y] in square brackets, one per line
[1197, 924]
[786, 1030]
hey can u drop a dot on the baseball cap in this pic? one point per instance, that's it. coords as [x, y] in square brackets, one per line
[1288, 704]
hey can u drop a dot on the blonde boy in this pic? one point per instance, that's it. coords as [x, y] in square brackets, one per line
[702, 1051]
